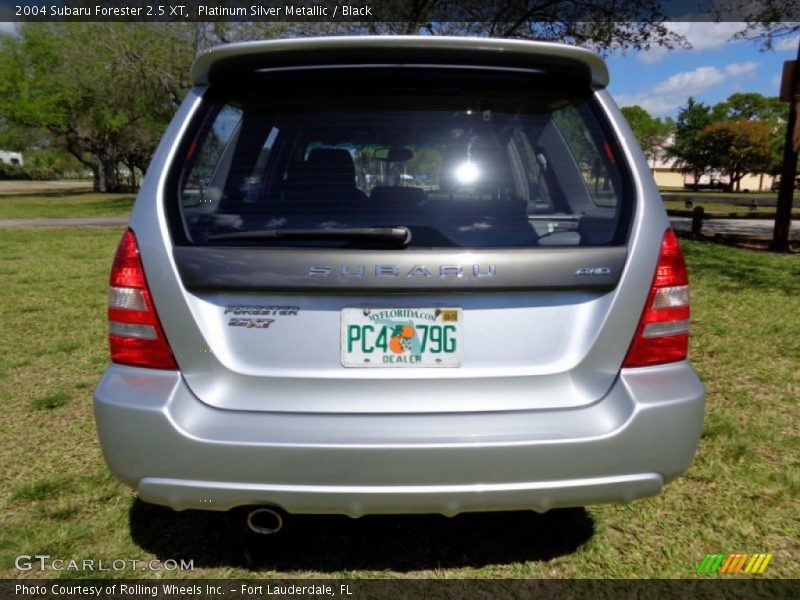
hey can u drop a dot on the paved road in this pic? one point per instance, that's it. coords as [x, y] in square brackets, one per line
[10, 186]
[70, 222]
[754, 227]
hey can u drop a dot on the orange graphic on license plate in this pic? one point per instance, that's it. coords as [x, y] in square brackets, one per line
[401, 340]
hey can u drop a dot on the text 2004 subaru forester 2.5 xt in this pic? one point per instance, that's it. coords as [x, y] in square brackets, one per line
[398, 275]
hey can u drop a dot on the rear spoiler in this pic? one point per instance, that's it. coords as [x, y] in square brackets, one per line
[222, 62]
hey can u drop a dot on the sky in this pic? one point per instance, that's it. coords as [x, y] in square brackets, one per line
[660, 81]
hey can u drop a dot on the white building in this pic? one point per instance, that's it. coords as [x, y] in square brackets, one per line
[667, 174]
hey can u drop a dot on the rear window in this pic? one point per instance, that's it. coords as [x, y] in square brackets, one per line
[463, 158]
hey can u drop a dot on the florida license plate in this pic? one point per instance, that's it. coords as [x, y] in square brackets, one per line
[401, 337]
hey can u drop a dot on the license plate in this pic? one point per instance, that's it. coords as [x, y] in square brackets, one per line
[401, 337]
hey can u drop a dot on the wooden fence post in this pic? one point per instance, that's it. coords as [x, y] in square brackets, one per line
[697, 221]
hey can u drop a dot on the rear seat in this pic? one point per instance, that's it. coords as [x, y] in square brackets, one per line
[327, 175]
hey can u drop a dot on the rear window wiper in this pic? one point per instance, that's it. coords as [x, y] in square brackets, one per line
[398, 236]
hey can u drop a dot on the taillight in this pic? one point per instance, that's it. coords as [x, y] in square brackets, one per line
[134, 331]
[663, 332]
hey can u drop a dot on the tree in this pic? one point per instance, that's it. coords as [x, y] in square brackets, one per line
[756, 107]
[107, 106]
[771, 21]
[603, 25]
[105, 91]
[750, 106]
[691, 157]
[737, 147]
[599, 24]
[652, 133]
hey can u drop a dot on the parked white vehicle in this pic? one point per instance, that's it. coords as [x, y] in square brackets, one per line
[11, 158]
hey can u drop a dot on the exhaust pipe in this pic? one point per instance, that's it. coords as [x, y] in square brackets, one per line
[264, 521]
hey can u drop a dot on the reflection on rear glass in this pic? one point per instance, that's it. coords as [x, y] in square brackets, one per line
[528, 169]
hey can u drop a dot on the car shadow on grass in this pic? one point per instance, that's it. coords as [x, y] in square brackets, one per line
[338, 543]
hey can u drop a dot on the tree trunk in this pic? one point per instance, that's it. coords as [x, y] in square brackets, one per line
[110, 176]
[733, 180]
[74, 148]
[783, 210]
[96, 178]
[133, 183]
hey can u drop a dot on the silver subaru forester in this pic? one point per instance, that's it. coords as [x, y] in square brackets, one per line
[398, 275]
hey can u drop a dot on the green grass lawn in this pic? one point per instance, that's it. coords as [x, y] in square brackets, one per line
[720, 194]
[57, 497]
[723, 209]
[64, 204]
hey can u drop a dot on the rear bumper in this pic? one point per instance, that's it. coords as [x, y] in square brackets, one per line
[177, 451]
